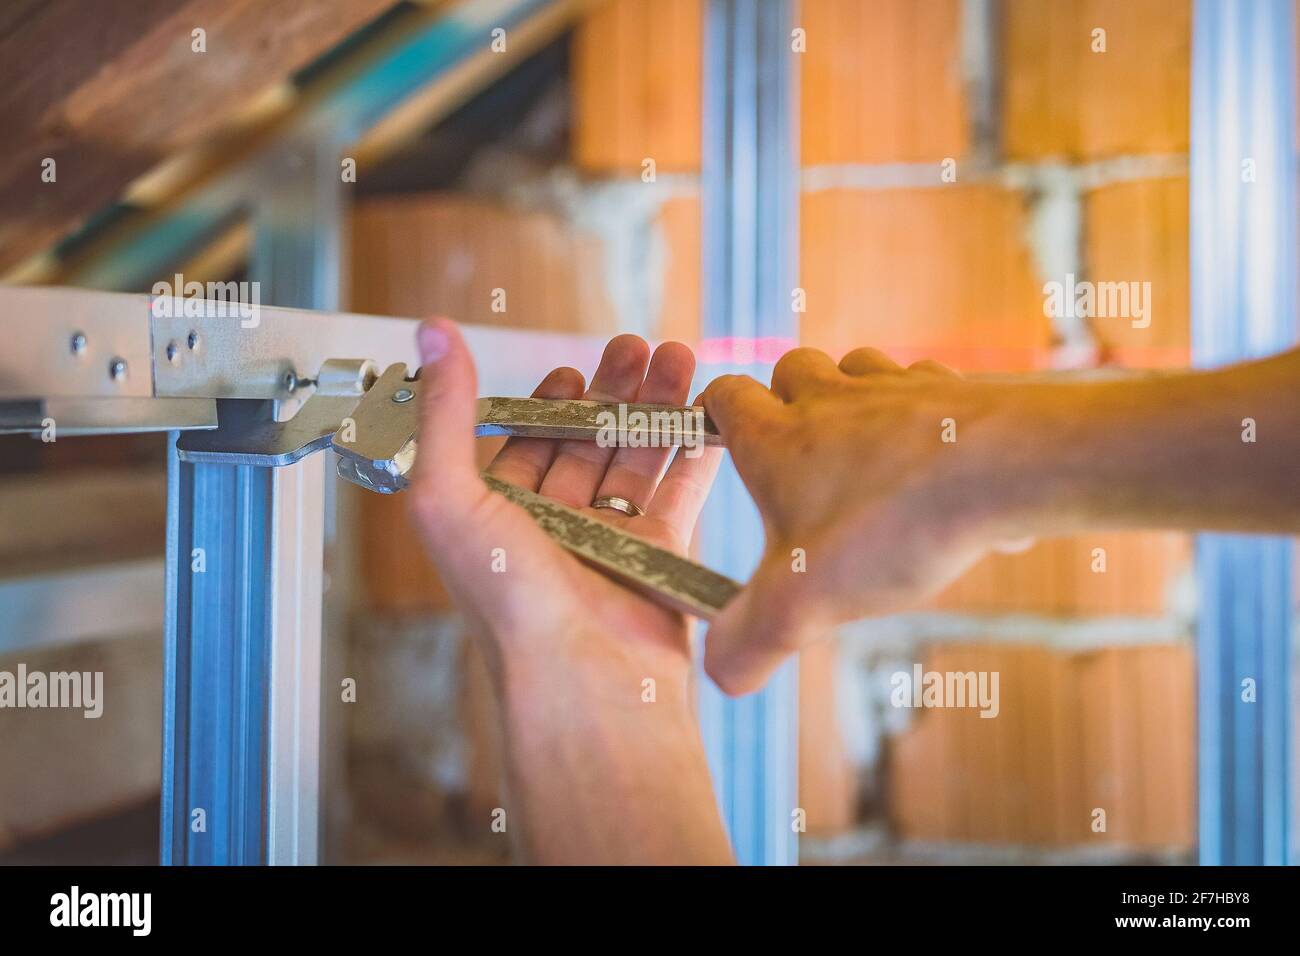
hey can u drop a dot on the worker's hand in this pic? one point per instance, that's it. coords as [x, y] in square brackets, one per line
[602, 746]
[868, 509]
[539, 606]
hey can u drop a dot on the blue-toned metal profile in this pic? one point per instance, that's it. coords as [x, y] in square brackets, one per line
[241, 727]
[1243, 290]
[216, 663]
[750, 248]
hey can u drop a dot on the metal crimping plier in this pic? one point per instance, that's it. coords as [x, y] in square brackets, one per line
[371, 421]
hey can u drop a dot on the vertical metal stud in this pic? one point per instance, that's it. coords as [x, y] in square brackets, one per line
[297, 255]
[750, 209]
[241, 742]
[216, 663]
[1243, 267]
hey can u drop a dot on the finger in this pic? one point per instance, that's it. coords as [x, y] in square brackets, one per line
[680, 497]
[633, 473]
[931, 367]
[866, 361]
[446, 477]
[803, 371]
[580, 465]
[524, 461]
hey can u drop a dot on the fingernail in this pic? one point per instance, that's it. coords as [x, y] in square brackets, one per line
[433, 343]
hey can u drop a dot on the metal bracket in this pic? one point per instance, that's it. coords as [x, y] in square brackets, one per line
[248, 434]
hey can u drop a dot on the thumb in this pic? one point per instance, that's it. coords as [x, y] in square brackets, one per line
[770, 619]
[446, 475]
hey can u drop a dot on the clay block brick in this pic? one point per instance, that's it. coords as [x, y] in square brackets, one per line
[827, 789]
[1111, 774]
[1054, 758]
[1056, 577]
[637, 67]
[922, 273]
[679, 226]
[446, 254]
[1138, 232]
[1167, 695]
[1139, 764]
[1061, 99]
[881, 81]
[917, 803]
[1112, 729]
[944, 777]
[985, 753]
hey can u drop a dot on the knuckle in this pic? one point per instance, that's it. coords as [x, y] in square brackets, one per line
[796, 358]
[722, 394]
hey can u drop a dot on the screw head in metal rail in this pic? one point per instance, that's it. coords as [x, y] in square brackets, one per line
[403, 395]
[291, 381]
[117, 369]
[173, 353]
[78, 343]
[192, 341]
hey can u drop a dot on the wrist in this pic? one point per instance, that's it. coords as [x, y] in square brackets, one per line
[577, 679]
[1039, 458]
[1012, 463]
[625, 772]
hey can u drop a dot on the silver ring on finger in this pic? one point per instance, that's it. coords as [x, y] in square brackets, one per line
[616, 503]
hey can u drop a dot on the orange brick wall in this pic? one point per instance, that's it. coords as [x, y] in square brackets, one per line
[444, 254]
[1056, 577]
[1112, 729]
[881, 82]
[1061, 99]
[827, 782]
[636, 86]
[679, 224]
[935, 272]
[1138, 231]
[924, 268]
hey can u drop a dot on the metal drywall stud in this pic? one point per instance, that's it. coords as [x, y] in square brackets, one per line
[1243, 280]
[750, 248]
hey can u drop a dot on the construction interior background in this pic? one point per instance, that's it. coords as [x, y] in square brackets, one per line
[956, 155]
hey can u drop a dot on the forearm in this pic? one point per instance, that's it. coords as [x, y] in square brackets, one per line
[600, 776]
[1213, 450]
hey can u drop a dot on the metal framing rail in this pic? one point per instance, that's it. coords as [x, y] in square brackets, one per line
[1243, 275]
[750, 216]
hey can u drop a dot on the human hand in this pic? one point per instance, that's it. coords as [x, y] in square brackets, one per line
[535, 601]
[604, 758]
[850, 465]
